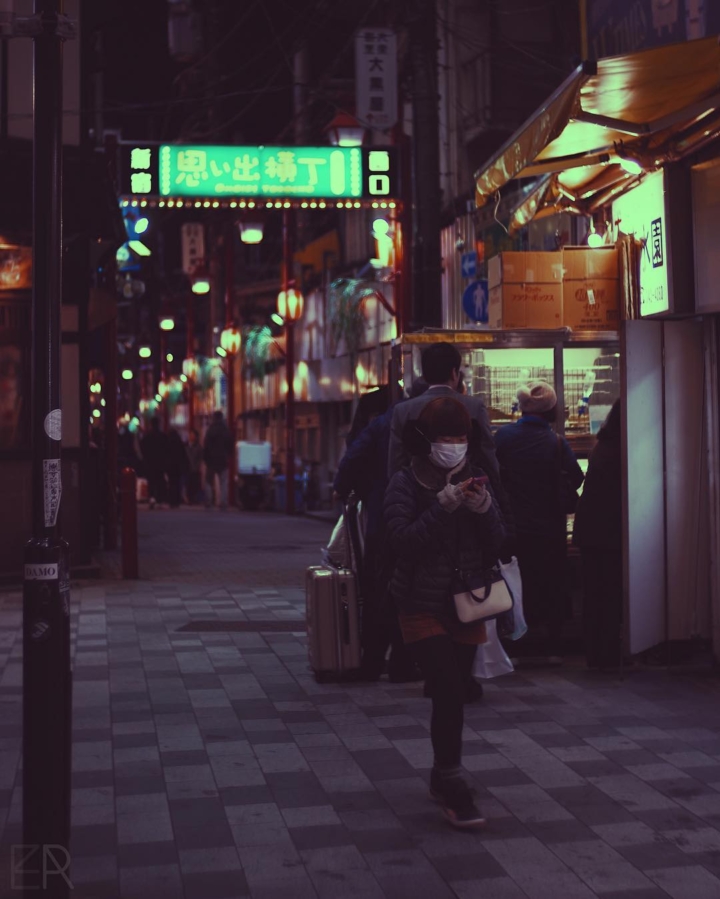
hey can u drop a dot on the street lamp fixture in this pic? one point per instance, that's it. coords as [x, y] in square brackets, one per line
[345, 131]
[290, 304]
[251, 232]
[231, 340]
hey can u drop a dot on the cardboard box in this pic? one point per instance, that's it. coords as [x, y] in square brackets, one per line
[525, 306]
[592, 305]
[525, 268]
[587, 264]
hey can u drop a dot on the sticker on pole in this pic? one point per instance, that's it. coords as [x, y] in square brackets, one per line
[52, 490]
[53, 424]
[38, 571]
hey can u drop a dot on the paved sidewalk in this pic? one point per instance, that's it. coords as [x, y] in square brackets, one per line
[208, 764]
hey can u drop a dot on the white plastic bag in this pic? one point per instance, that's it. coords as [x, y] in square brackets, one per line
[511, 575]
[491, 659]
[337, 552]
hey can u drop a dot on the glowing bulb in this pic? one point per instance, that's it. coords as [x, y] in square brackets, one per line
[278, 319]
[144, 352]
[96, 413]
[201, 286]
[631, 166]
[141, 225]
[127, 374]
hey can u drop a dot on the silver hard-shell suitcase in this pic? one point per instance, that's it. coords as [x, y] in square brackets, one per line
[333, 622]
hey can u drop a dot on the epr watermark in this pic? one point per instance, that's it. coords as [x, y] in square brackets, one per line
[32, 865]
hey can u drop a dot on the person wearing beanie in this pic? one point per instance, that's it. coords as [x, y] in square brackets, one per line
[537, 466]
[438, 518]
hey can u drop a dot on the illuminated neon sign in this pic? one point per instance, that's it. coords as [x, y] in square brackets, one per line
[174, 170]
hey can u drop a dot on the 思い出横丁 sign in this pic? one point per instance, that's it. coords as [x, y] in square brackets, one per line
[176, 170]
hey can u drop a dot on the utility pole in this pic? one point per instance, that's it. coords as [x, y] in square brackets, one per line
[427, 267]
[47, 679]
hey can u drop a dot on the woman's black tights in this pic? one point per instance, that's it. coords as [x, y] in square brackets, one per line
[447, 668]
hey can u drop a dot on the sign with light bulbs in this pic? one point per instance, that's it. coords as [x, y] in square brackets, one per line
[258, 173]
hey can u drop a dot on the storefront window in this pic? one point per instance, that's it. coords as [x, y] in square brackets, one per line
[496, 375]
[592, 384]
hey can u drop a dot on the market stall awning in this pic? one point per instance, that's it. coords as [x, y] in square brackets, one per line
[642, 108]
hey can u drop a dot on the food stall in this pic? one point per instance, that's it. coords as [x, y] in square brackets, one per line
[583, 367]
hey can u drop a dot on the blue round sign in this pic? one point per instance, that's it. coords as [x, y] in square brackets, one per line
[475, 301]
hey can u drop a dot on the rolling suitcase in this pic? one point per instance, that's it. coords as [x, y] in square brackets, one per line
[333, 622]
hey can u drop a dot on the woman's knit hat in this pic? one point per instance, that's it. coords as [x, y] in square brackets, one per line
[536, 397]
[444, 417]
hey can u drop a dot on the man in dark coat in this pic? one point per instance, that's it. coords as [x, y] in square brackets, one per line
[363, 470]
[217, 449]
[154, 448]
[441, 371]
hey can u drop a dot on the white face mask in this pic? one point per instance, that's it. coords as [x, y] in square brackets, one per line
[448, 455]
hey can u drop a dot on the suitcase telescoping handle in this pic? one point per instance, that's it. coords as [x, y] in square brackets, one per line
[345, 614]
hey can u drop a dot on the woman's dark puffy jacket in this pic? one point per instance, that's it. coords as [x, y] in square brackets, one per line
[428, 542]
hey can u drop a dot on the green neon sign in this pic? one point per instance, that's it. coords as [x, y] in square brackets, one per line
[207, 171]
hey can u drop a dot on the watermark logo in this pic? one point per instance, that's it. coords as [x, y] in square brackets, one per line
[33, 865]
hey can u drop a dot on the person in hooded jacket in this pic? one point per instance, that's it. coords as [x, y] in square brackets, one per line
[439, 518]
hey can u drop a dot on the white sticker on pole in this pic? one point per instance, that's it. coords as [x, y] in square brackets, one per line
[53, 424]
[37, 571]
[52, 490]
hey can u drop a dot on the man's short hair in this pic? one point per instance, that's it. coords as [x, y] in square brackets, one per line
[439, 361]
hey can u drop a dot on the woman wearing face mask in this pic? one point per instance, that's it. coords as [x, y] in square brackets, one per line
[439, 517]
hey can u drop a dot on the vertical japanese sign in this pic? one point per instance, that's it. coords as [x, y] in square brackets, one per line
[142, 171]
[376, 77]
[641, 211]
[193, 246]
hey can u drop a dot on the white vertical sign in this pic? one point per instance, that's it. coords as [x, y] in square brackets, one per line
[376, 77]
[193, 246]
[641, 212]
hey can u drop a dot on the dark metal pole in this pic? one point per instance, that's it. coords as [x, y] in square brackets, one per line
[427, 269]
[229, 317]
[111, 435]
[47, 680]
[190, 354]
[289, 373]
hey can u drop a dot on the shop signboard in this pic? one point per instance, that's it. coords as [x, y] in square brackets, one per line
[641, 212]
[376, 78]
[217, 172]
[193, 246]
[615, 27]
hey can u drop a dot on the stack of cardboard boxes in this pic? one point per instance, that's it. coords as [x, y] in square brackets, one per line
[577, 288]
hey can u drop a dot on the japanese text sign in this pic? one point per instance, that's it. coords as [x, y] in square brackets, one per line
[178, 170]
[376, 77]
[260, 171]
[641, 212]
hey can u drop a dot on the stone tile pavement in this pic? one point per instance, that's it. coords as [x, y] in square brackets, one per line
[208, 764]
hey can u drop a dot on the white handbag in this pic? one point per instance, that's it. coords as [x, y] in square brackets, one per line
[489, 599]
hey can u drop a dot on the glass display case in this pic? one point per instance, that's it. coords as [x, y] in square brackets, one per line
[583, 367]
